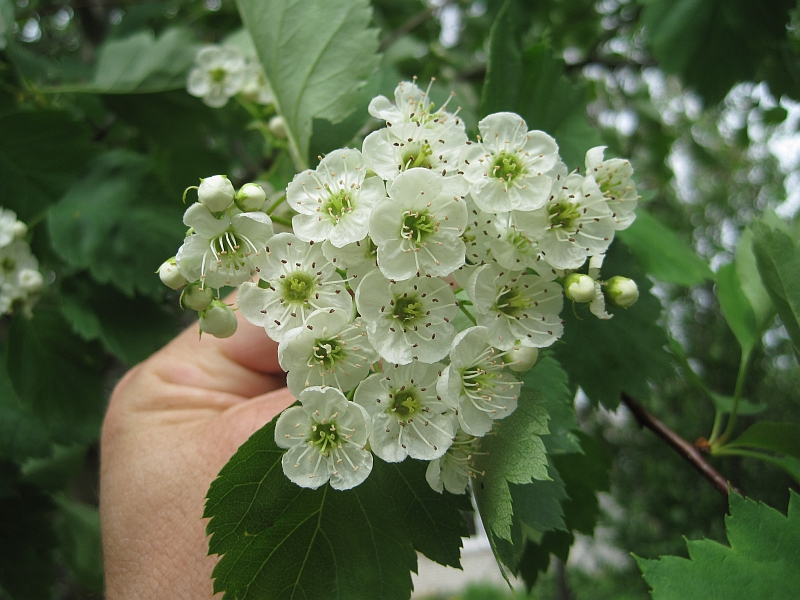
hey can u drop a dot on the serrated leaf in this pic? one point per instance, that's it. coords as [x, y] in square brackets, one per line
[109, 224]
[282, 541]
[140, 64]
[316, 55]
[538, 504]
[512, 453]
[737, 309]
[41, 154]
[783, 438]
[77, 527]
[22, 435]
[57, 375]
[763, 560]
[622, 354]
[551, 381]
[661, 253]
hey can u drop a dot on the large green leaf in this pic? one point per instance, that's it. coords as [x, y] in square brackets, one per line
[282, 541]
[316, 55]
[737, 308]
[140, 64]
[783, 438]
[750, 280]
[57, 375]
[662, 254]
[513, 453]
[778, 259]
[763, 560]
[548, 378]
[113, 223]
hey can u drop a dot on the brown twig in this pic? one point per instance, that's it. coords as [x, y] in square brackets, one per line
[681, 446]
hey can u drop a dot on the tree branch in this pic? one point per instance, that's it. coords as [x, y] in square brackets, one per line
[681, 446]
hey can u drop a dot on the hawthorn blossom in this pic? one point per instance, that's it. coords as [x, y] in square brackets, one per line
[219, 74]
[453, 470]
[358, 258]
[615, 178]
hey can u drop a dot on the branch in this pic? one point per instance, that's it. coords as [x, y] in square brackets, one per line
[681, 446]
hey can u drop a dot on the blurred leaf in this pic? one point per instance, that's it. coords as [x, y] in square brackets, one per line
[763, 560]
[279, 540]
[6, 22]
[57, 471]
[778, 259]
[57, 375]
[77, 528]
[339, 52]
[513, 453]
[41, 154]
[536, 556]
[724, 404]
[140, 64]
[750, 281]
[110, 224]
[662, 254]
[607, 357]
[737, 309]
[783, 438]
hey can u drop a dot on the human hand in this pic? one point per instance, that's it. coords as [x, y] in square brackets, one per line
[172, 424]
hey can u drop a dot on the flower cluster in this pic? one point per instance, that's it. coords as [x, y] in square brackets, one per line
[422, 274]
[221, 72]
[20, 279]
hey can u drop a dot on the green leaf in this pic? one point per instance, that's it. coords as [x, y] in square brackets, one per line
[58, 376]
[622, 354]
[538, 504]
[110, 223]
[41, 154]
[280, 541]
[57, 471]
[549, 379]
[737, 309]
[77, 528]
[778, 260]
[750, 281]
[661, 253]
[783, 438]
[532, 84]
[535, 558]
[763, 560]
[6, 22]
[512, 453]
[339, 52]
[140, 64]
[724, 404]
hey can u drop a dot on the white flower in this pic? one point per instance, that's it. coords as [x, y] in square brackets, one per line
[358, 258]
[298, 280]
[408, 418]
[407, 320]
[8, 222]
[250, 197]
[19, 274]
[30, 281]
[219, 74]
[224, 251]
[516, 307]
[277, 127]
[597, 306]
[615, 178]
[170, 275]
[327, 350]
[452, 472]
[573, 225]
[622, 291]
[334, 201]
[477, 383]
[579, 287]
[411, 105]
[508, 168]
[326, 436]
[521, 358]
[418, 230]
[218, 320]
[255, 86]
[215, 193]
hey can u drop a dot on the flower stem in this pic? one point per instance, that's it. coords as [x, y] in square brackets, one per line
[276, 204]
[463, 309]
[737, 394]
[281, 221]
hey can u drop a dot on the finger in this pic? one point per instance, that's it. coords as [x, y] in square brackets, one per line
[241, 421]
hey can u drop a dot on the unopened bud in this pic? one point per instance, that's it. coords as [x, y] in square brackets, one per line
[215, 193]
[218, 320]
[30, 280]
[251, 197]
[521, 358]
[622, 291]
[19, 229]
[170, 276]
[579, 287]
[197, 297]
[277, 127]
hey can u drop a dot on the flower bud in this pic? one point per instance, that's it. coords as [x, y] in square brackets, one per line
[521, 358]
[218, 320]
[197, 297]
[215, 193]
[251, 197]
[277, 127]
[19, 229]
[30, 280]
[579, 287]
[621, 291]
[170, 276]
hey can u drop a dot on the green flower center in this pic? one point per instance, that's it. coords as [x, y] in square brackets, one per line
[417, 154]
[298, 287]
[231, 250]
[507, 166]
[417, 226]
[217, 75]
[328, 353]
[511, 302]
[408, 309]
[476, 379]
[9, 264]
[338, 205]
[563, 215]
[405, 402]
[324, 436]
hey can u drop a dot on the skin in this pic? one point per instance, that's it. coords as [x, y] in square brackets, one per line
[172, 424]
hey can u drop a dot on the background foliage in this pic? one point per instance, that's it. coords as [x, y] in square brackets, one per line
[98, 139]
